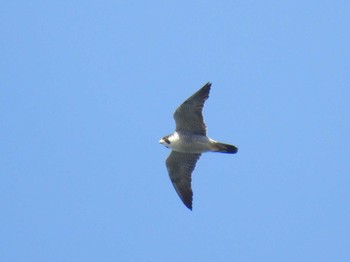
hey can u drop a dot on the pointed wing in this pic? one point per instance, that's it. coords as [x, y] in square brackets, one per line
[188, 116]
[180, 167]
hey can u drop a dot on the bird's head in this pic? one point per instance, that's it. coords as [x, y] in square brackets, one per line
[165, 141]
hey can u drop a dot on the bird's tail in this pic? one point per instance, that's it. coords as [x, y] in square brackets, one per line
[224, 148]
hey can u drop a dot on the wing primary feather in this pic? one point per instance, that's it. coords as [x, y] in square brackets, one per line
[180, 167]
[188, 116]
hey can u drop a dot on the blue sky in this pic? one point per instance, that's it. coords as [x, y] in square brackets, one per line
[87, 89]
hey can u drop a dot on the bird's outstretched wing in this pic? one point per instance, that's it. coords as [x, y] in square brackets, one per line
[180, 167]
[188, 116]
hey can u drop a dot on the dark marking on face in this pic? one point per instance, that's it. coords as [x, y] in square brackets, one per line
[166, 140]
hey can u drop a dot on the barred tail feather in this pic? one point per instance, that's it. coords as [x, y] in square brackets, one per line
[225, 148]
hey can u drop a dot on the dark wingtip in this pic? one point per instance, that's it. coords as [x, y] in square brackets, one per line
[188, 203]
[205, 89]
[189, 206]
[208, 85]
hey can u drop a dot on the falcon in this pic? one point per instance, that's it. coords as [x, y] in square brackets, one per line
[188, 142]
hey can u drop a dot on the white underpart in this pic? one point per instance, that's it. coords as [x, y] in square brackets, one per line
[189, 143]
[174, 141]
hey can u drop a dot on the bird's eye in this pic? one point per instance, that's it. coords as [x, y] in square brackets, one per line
[167, 140]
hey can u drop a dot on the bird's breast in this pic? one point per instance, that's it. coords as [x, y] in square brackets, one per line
[189, 143]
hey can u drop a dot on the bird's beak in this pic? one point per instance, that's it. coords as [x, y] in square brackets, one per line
[161, 141]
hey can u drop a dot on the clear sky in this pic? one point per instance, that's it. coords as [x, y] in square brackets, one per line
[87, 89]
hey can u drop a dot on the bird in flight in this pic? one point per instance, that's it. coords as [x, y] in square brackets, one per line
[188, 142]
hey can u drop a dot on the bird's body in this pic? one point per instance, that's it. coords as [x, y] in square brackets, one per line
[188, 142]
